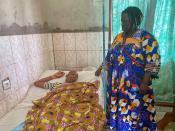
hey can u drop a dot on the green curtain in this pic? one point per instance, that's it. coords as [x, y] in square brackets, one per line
[164, 30]
[159, 19]
[120, 5]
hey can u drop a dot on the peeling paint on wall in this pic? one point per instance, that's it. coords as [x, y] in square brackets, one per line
[16, 29]
[43, 16]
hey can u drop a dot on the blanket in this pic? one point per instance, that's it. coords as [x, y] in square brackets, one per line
[71, 107]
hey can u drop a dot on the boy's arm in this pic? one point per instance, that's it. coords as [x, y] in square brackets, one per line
[40, 83]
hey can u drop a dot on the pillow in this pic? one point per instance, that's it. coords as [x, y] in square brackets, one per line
[48, 73]
[89, 68]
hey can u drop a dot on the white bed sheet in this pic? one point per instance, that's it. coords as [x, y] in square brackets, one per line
[18, 114]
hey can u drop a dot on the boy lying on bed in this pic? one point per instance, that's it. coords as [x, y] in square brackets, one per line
[72, 76]
[71, 107]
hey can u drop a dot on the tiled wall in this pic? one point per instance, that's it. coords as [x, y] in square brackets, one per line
[77, 50]
[22, 58]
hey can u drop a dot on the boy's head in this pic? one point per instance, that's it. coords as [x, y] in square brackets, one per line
[72, 76]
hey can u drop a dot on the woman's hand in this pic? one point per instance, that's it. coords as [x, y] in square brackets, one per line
[145, 82]
[98, 71]
[143, 89]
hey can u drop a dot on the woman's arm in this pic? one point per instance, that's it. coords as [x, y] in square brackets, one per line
[98, 71]
[152, 61]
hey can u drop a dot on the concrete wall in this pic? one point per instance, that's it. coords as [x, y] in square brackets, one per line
[37, 16]
[21, 12]
[74, 14]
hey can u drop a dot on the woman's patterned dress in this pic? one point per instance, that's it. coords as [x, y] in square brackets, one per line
[127, 62]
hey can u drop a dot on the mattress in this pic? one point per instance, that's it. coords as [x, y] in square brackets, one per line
[18, 114]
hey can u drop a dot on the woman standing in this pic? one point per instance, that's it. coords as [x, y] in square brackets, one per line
[133, 61]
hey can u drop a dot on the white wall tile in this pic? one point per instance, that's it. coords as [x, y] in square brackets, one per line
[50, 41]
[6, 56]
[32, 47]
[22, 73]
[58, 41]
[17, 48]
[51, 60]
[69, 41]
[94, 58]
[47, 61]
[60, 58]
[46, 41]
[101, 40]
[38, 66]
[100, 57]
[35, 68]
[30, 71]
[11, 72]
[28, 48]
[81, 41]
[106, 40]
[70, 58]
[82, 59]
[37, 44]
[93, 41]
[52, 66]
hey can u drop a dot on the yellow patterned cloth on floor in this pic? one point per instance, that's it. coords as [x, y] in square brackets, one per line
[70, 107]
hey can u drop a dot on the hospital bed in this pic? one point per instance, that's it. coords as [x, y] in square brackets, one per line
[17, 115]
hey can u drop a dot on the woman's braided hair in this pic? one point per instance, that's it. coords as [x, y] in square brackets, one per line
[135, 15]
